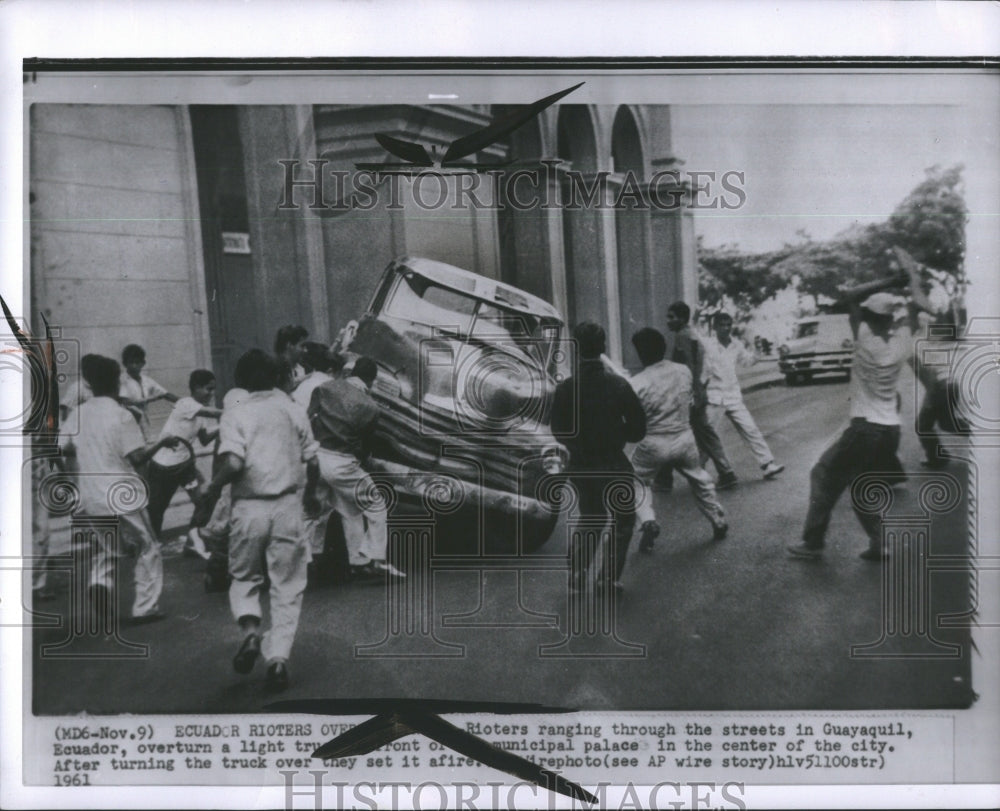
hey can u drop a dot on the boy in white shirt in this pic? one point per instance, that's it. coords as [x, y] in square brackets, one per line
[138, 389]
[193, 418]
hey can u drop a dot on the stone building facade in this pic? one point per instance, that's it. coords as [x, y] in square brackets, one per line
[172, 226]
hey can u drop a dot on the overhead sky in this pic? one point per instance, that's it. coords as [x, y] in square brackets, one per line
[822, 168]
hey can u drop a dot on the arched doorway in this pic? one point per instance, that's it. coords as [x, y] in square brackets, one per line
[636, 294]
[583, 240]
[525, 254]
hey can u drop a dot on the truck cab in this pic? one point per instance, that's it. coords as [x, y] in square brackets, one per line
[820, 344]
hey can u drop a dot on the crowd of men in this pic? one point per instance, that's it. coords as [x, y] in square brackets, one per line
[291, 440]
[289, 445]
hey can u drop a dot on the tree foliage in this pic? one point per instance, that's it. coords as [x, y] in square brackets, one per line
[929, 223]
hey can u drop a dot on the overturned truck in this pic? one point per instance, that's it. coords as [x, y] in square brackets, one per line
[466, 371]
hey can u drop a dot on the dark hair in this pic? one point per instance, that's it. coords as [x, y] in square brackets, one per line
[288, 335]
[200, 377]
[316, 357]
[681, 310]
[133, 352]
[87, 363]
[103, 375]
[650, 345]
[722, 316]
[256, 371]
[590, 340]
[366, 369]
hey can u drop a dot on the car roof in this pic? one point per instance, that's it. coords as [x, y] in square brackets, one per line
[481, 287]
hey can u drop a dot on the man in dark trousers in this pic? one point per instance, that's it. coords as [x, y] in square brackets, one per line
[595, 413]
[687, 350]
[870, 442]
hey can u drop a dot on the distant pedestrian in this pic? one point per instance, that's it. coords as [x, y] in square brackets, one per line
[688, 350]
[723, 356]
[595, 413]
[665, 391]
[264, 444]
[870, 442]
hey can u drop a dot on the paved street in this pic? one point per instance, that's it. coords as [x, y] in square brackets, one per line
[729, 625]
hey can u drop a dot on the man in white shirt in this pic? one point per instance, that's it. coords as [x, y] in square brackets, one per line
[723, 356]
[105, 454]
[266, 451]
[665, 391]
[316, 361]
[870, 442]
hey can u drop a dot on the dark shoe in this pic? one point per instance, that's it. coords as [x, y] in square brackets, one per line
[803, 552]
[649, 531]
[876, 555]
[726, 481]
[720, 532]
[367, 573]
[246, 656]
[277, 677]
[772, 469]
[144, 619]
[934, 464]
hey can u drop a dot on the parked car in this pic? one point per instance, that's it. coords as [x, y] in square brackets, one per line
[466, 370]
[822, 344]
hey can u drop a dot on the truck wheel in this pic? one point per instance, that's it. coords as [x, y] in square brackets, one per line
[792, 379]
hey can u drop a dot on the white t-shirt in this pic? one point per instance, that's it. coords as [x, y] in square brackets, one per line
[185, 423]
[303, 392]
[108, 434]
[76, 393]
[875, 374]
[234, 397]
[272, 435]
[142, 389]
[722, 385]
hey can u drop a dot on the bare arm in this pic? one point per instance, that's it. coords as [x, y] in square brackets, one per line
[229, 468]
[853, 296]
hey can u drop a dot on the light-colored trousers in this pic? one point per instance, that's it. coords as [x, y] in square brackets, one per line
[745, 426]
[266, 538]
[360, 505]
[680, 452]
[135, 534]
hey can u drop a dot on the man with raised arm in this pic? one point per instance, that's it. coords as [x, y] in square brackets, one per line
[869, 444]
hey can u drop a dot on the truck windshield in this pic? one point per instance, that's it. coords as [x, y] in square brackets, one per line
[421, 301]
[807, 329]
